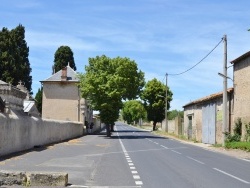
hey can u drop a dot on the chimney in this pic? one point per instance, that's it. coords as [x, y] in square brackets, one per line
[64, 74]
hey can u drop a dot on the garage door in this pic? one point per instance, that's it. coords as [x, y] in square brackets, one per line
[208, 123]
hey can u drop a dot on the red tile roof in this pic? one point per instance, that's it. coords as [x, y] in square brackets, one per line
[207, 98]
[241, 58]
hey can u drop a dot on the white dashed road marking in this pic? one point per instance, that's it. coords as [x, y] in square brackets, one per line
[164, 147]
[246, 160]
[195, 160]
[136, 177]
[231, 175]
[131, 164]
[176, 152]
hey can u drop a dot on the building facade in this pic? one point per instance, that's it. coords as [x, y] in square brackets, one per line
[203, 118]
[62, 99]
[242, 88]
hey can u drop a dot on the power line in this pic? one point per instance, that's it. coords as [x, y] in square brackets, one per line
[198, 62]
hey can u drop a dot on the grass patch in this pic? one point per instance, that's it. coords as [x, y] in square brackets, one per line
[238, 145]
[217, 145]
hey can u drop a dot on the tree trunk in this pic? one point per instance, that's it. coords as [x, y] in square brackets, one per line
[112, 127]
[108, 130]
[154, 126]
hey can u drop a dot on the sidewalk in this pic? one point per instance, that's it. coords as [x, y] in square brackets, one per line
[77, 157]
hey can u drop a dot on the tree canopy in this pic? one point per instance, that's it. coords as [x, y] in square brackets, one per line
[14, 53]
[174, 113]
[154, 95]
[38, 98]
[108, 81]
[133, 110]
[63, 56]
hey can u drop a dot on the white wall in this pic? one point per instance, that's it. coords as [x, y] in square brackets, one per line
[19, 132]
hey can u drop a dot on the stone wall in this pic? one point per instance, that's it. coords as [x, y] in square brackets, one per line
[241, 91]
[21, 132]
[12, 95]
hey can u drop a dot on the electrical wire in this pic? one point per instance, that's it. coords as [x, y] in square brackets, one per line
[198, 62]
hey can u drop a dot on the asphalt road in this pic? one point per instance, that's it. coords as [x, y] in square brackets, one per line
[134, 158]
[162, 162]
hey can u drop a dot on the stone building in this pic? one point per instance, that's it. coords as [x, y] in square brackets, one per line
[62, 99]
[241, 79]
[198, 123]
[203, 118]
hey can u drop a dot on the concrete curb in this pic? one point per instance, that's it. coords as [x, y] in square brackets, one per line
[9, 178]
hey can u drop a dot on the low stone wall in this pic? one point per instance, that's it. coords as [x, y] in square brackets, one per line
[19, 132]
[27, 179]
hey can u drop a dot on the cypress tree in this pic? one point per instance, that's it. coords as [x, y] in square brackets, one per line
[14, 61]
[63, 56]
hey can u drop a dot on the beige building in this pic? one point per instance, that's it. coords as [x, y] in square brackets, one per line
[62, 99]
[203, 118]
[242, 88]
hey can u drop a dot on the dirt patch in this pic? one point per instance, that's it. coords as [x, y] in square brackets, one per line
[74, 142]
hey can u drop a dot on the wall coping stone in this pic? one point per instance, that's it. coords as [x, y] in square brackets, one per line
[10, 178]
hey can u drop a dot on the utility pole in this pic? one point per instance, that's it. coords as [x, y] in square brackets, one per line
[224, 125]
[166, 105]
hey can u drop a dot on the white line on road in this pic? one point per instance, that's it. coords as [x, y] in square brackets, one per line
[246, 160]
[138, 183]
[77, 186]
[164, 147]
[231, 176]
[136, 177]
[156, 143]
[131, 165]
[195, 160]
[176, 152]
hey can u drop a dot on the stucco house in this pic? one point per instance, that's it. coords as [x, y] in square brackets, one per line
[61, 99]
[203, 118]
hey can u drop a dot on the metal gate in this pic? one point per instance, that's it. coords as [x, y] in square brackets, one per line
[208, 123]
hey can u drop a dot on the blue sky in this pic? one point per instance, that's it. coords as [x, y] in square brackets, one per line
[162, 36]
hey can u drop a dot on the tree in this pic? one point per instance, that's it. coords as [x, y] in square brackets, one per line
[133, 110]
[174, 113]
[14, 61]
[154, 95]
[108, 81]
[63, 56]
[38, 98]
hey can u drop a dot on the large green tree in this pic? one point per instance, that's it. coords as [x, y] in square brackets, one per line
[14, 53]
[63, 56]
[108, 81]
[154, 95]
[133, 110]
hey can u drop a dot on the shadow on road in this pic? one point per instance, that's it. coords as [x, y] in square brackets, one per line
[131, 134]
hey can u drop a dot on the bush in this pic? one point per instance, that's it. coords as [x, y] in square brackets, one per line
[247, 135]
[236, 137]
[238, 145]
[238, 127]
[232, 138]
